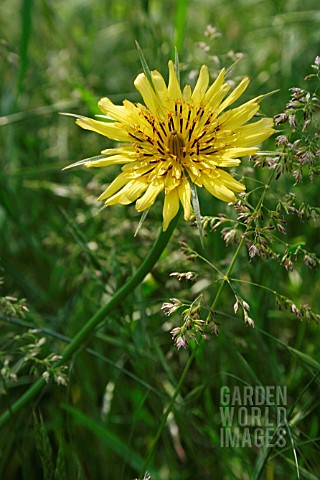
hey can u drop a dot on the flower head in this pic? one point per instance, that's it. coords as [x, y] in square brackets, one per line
[176, 138]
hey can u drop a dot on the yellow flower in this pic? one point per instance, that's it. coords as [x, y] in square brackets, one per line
[176, 138]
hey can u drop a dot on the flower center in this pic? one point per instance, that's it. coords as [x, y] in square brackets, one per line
[176, 144]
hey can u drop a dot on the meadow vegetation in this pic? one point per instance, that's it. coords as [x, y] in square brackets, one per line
[125, 400]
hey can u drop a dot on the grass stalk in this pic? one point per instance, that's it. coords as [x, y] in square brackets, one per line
[192, 356]
[83, 335]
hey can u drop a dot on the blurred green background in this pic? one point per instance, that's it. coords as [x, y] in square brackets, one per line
[66, 257]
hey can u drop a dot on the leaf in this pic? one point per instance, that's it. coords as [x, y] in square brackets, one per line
[71, 115]
[180, 22]
[145, 66]
[142, 219]
[111, 440]
[26, 14]
[305, 359]
[85, 160]
[176, 64]
[60, 471]
[196, 208]
[44, 448]
[232, 67]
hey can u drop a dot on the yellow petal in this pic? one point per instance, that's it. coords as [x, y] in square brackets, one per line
[147, 200]
[112, 160]
[216, 90]
[115, 112]
[135, 113]
[137, 187]
[254, 133]
[119, 197]
[129, 193]
[236, 117]
[159, 84]
[201, 85]
[187, 92]
[109, 130]
[218, 189]
[220, 160]
[185, 198]
[171, 182]
[239, 152]
[235, 94]
[193, 171]
[229, 157]
[124, 150]
[170, 207]
[230, 182]
[177, 170]
[174, 90]
[143, 169]
[150, 99]
[117, 183]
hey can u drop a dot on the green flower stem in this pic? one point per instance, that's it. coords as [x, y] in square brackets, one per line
[100, 315]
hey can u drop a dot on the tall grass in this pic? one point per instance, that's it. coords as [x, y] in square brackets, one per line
[119, 407]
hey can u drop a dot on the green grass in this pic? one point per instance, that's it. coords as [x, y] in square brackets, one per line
[67, 258]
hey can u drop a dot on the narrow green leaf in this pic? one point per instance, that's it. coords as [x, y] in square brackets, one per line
[294, 452]
[44, 448]
[71, 115]
[306, 359]
[268, 450]
[232, 67]
[176, 64]
[36, 112]
[180, 22]
[111, 440]
[60, 471]
[26, 29]
[142, 219]
[85, 160]
[145, 66]
[196, 209]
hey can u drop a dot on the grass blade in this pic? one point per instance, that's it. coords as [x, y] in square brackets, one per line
[176, 64]
[111, 440]
[196, 209]
[142, 219]
[26, 28]
[145, 66]
[180, 23]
